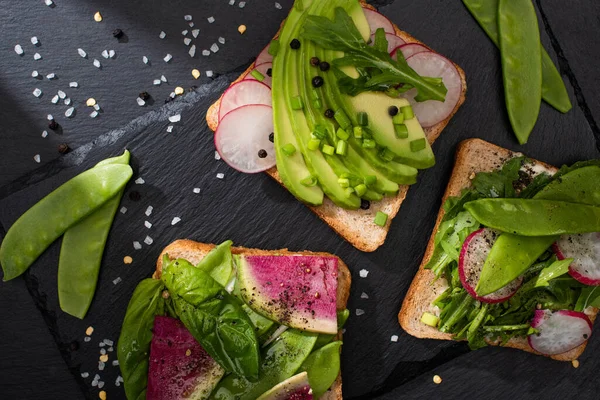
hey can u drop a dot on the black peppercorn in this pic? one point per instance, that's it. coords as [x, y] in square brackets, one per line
[324, 66]
[318, 81]
[393, 111]
[145, 96]
[365, 204]
[135, 196]
[53, 125]
[63, 148]
[117, 33]
[272, 137]
[262, 153]
[270, 72]
[329, 113]
[314, 61]
[295, 44]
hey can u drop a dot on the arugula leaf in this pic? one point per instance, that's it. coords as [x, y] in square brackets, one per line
[555, 270]
[499, 183]
[589, 297]
[384, 73]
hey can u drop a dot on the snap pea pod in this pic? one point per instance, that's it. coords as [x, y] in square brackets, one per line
[534, 217]
[554, 91]
[521, 59]
[81, 252]
[323, 368]
[46, 221]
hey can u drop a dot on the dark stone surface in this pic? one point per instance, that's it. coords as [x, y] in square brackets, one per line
[252, 210]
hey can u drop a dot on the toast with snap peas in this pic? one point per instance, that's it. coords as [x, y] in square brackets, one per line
[473, 156]
[357, 226]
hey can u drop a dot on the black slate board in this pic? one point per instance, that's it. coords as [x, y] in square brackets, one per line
[253, 210]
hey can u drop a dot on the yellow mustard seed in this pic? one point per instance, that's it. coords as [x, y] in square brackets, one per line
[91, 102]
[102, 395]
[89, 330]
[98, 16]
[575, 363]
[104, 358]
[127, 260]
[437, 379]
[195, 73]
[242, 29]
[179, 90]
[188, 352]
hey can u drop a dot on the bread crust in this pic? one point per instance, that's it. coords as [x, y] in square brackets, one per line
[472, 156]
[356, 226]
[194, 252]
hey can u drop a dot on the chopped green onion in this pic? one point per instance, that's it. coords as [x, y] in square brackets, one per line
[309, 181]
[380, 218]
[341, 148]
[289, 149]
[370, 180]
[408, 112]
[418, 145]
[386, 154]
[430, 319]
[358, 132]
[320, 132]
[313, 144]
[360, 190]
[363, 118]
[401, 131]
[315, 94]
[256, 74]
[368, 144]
[348, 192]
[342, 134]
[398, 119]
[274, 47]
[344, 182]
[297, 103]
[327, 149]
[318, 104]
[342, 119]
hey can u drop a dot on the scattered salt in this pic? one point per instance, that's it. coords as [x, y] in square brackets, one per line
[231, 2]
[206, 53]
[115, 363]
[192, 51]
[145, 60]
[147, 224]
[55, 99]
[137, 245]
[195, 33]
[221, 40]
[359, 311]
[110, 349]
[67, 101]
[156, 82]
[50, 117]
[108, 342]
[105, 54]
[35, 41]
[394, 338]
[37, 158]
[214, 48]
[140, 101]
[149, 211]
[85, 374]
[210, 20]
[169, 128]
[185, 32]
[242, 4]
[172, 95]
[163, 78]
[363, 273]
[100, 384]
[94, 383]
[278, 6]
[35, 74]
[73, 84]
[82, 53]
[168, 58]
[102, 351]
[123, 210]
[87, 339]
[196, 190]
[209, 74]
[96, 377]
[111, 53]
[140, 181]
[364, 295]
[51, 76]
[220, 175]
[37, 56]
[175, 220]
[187, 17]
[37, 92]
[102, 344]
[187, 41]
[97, 107]
[61, 94]
[175, 118]
[49, 3]
[97, 63]
[44, 134]
[162, 35]
[117, 280]
[69, 112]
[217, 155]
[94, 114]
[148, 240]
[191, 24]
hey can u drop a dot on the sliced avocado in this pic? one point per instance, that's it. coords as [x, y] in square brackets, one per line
[292, 168]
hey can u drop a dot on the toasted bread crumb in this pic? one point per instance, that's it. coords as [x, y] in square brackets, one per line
[437, 379]
[575, 363]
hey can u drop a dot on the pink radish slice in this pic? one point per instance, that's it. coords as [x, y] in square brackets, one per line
[559, 331]
[264, 56]
[377, 20]
[393, 41]
[242, 133]
[262, 68]
[431, 64]
[409, 49]
[244, 93]
[584, 249]
[472, 257]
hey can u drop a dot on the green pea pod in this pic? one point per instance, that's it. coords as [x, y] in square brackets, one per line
[218, 263]
[81, 252]
[532, 217]
[324, 338]
[521, 57]
[323, 368]
[47, 220]
[554, 91]
[133, 347]
[281, 360]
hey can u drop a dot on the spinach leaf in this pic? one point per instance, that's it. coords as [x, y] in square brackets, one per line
[133, 347]
[214, 317]
[340, 34]
[218, 263]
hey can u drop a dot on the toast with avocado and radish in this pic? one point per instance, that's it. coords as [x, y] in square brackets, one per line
[514, 258]
[341, 109]
[223, 322]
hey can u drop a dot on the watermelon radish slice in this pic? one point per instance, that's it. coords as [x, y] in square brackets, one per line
[296, 291]
[262, 68]
[471, 260]
[377, 20]
[585, 251]
[179, 367]
[431, 64]
[559, 331]
[409, 50]
[242, 134]
[393, 41]
[244, 93]
[264, 56]
[294, 388]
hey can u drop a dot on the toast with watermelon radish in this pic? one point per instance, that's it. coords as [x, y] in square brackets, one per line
[477, 163]
[354, 225]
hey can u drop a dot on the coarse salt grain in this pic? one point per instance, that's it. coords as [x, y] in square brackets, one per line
[82, 53]
[214, 48]
[55, 99]
[168, 58]
[69, 112]
[206, 53]
[35, 74]
[19, 49]
[94, 383]
[127, 260]
[140, 101]
[44, 134]
[231, 2]
[148, 240]
[137, 245]
[35, 41]
[209, 74]
[360, 311]
[187, 41]
[145, 60]
[242, 4]
[175, 118]
[184, 32]
[394, 338]
[278, 6]
[162, 35]
[217, 155]
[147, 224]
[105, 54]
[364, 295]
[123, 210]
[221, 40]
[115, 363]
[67, 101]
[149, 211]
[116, 282]
[97, 63]
[87, 339]
[191, 24]
[103, 352]
[111, 53]
[73, 84]
[172, 95]
[61, 94]
[37, 56]
[210, 20]
[50, 117]
[220, 175]
[187, 17]
[175, 220]
[163, 78]
[196, 190]
[37, 92]
[363, 273]
[49, 3]
[169, 128]
[192, 51]
[102, 344]
[94, 114]
[85, 374]
[37, 158]
[156, 82]
[140, 181]
[195, 73]
[101, 383]
[51, 76]
[97, 107]
[195, 33]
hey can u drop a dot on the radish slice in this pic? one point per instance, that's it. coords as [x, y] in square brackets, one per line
[559, 331]
[242, 133]
[472, 257]
[262, 68]
[393, 41]
[264, 56]
[585, 251]
[244, 93]
[377, 20]
[431, 64]
[409, 50]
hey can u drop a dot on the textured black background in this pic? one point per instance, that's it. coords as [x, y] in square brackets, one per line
[42, 349]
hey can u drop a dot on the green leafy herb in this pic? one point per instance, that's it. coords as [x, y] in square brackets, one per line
[589, 297]
[555, 270]
[218, 263]
[499, 183]
[379, 71]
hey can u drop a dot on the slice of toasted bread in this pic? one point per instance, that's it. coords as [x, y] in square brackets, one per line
[472, 156]
[194, 252]
[357, 226]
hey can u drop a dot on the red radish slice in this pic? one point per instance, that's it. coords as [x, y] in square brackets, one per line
[559, 331]
[584, 249]
[409, 49]
[393, 41]
[244, 93]
[431, 64]
[242, 133]
[472, 257]
[262, 68]
[264, 56]
[377, 20]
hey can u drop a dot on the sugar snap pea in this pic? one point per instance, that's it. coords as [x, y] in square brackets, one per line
[47, 220]
[554, 91]
[521, 58]
[323, 367]
[81, 252]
